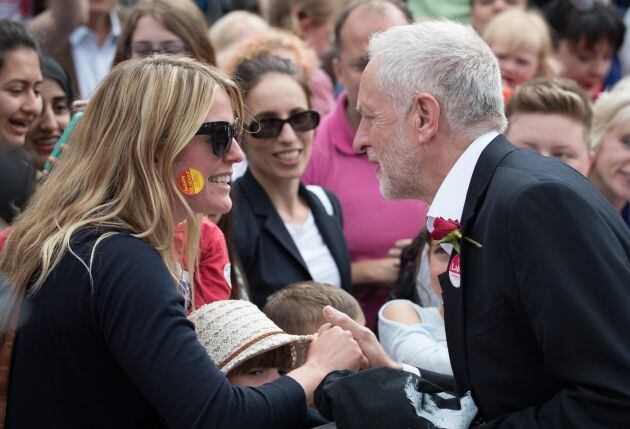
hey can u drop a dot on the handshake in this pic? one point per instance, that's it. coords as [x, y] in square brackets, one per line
[344, 344]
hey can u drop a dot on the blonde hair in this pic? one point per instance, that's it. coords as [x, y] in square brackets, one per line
[117, 171]
[229, 29]
[520, 28]
[276, 43]
[181, 17]
[553, 96]
[611, 109]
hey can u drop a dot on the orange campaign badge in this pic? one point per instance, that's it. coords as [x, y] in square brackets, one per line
[190, 181]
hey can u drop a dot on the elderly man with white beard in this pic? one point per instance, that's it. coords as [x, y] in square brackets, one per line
[537, 292]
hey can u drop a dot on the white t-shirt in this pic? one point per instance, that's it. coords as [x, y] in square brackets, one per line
[422, 345]
[314, 251]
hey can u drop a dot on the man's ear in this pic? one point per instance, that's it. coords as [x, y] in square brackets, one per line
[426, 116]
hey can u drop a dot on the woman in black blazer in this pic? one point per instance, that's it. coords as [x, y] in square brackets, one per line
[285, 232]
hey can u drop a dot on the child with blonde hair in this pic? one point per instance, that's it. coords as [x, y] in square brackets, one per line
[284, 44]
[522, 43]
[233, 29]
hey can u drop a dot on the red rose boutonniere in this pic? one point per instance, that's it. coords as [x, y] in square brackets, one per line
[449, 231]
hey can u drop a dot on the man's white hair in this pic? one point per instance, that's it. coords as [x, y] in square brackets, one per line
[447, 60]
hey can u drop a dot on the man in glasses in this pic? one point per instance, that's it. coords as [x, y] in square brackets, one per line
[375, 229]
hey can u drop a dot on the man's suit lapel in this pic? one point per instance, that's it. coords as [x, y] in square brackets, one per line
[454, 301]
[263, 208]
[488, 162]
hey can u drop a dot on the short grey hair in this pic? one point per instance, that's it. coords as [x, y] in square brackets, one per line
[447, 60]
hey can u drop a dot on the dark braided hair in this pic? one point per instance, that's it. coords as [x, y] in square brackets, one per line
[410, 260]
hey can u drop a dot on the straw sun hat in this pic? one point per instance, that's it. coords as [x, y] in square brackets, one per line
[235, 331]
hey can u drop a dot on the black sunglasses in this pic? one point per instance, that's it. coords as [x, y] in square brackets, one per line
[221, 134]
[267, 128]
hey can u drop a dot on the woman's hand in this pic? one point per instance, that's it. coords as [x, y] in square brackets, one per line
[370, 346]
[78, 106]
[335, 349]
[332, 349]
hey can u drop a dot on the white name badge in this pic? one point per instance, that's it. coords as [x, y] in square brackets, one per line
[454, 271]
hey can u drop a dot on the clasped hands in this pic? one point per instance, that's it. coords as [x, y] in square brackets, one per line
[373, 354]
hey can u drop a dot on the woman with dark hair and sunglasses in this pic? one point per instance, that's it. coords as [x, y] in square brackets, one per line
[285, 232]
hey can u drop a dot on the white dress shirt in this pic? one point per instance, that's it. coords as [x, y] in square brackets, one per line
[93, 62]
[451, 196]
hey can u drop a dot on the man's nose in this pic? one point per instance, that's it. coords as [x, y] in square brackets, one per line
[360, 143]
[33, 103]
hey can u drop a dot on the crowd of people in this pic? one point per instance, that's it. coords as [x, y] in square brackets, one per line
[294, 214]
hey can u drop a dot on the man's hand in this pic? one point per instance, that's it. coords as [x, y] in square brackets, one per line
[78, 106]
[332, 349]
[363, 336]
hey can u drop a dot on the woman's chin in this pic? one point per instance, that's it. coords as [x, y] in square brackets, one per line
[220, 207]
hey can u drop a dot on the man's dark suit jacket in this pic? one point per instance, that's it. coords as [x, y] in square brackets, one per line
[266, 250]
[539, 330]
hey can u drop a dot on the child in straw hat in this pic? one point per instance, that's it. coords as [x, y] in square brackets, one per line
[244, 343]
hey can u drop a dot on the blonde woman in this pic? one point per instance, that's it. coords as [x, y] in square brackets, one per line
[232, 29]
[610, 139]
[107, 343]
[177, 27]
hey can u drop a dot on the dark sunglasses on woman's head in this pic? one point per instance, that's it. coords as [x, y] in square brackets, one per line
[221, 135]
[267, 128]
